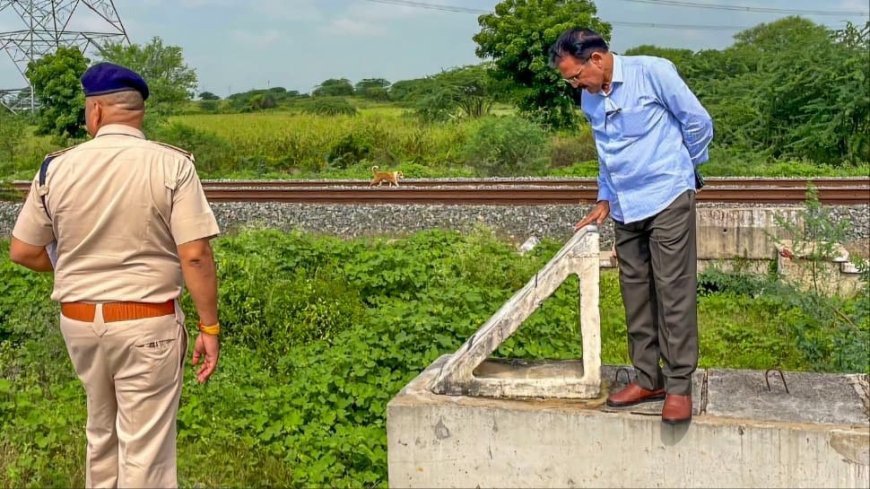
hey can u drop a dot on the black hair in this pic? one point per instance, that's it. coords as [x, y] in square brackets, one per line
[579, 43]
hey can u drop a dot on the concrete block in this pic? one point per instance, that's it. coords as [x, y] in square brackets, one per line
[850, 268]
[829, 277]
[810, 398]
[727, 233]
[459, 441]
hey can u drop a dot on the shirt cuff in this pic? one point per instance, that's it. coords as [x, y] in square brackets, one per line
[37, 236]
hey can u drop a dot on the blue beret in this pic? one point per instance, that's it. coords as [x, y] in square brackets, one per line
[105, 78]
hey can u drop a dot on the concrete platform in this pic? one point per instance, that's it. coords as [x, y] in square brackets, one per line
[742, 434]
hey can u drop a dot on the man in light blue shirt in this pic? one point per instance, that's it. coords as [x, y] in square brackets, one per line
[651, 133]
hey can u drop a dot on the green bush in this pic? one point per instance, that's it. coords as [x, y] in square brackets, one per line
[568, 150]
[350, 149]
[731, 161]
[586, 169]
[439, 105]
[507, 146]
[12, 131]
[261, 101]
[714, 281]
[329, 106]
[210, 106]
[320, 333]
[213, 154]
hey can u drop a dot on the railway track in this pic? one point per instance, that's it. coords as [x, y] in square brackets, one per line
[842, 191]
[538, 182]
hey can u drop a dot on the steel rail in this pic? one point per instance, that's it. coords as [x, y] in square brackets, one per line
[519, 195]
[843, 191]
[536, 182]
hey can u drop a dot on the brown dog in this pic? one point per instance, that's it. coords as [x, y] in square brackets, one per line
[391, 177]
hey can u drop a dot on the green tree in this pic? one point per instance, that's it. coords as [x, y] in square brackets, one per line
[473, 88]
[518, 35]
[853, 93]
[460, 92]
[208, 96]
[811, 89]
[373, 88]
[169, 79]
[682, 58]
[262, 101]
[789, 88]
[56, 82]
[334, 88]
[408, 90]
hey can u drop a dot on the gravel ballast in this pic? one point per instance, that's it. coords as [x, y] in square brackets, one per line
[516, 223]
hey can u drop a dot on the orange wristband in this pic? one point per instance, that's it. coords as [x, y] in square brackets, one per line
[214, 329]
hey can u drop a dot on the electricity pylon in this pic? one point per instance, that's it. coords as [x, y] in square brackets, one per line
[46, 25]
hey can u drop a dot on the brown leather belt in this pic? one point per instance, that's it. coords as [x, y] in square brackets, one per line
[117, 311]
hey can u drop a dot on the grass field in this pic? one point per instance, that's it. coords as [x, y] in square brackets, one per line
[299, 144]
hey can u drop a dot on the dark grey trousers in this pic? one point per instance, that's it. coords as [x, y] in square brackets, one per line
[658, 276]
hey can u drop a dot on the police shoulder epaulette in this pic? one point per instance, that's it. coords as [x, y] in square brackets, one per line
[59, 152]
[43, 175]
[187, 154]
[43, 169]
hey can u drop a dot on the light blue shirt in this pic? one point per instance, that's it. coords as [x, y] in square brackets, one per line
[651, 132]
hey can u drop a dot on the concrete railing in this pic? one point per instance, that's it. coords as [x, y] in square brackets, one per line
[464, 374]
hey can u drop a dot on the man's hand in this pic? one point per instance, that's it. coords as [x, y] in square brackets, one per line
[597, 215]
[208, 349]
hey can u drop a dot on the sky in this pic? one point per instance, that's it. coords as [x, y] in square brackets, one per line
[237, 45]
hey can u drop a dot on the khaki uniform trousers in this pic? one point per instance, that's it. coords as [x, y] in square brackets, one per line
[658, 278]
[132, 372]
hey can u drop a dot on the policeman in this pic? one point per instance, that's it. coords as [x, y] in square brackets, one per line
[127, 219]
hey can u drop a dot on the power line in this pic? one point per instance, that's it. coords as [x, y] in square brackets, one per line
[741, 8]
[669, 3]
[653, 25]
[433, 6]
[656, 25]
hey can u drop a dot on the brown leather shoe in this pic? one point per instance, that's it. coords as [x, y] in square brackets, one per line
[677, 409]
[634, 394]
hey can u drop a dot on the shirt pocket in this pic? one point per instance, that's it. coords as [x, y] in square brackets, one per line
[634, 121]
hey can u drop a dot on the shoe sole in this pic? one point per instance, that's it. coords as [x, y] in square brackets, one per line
[635, 403]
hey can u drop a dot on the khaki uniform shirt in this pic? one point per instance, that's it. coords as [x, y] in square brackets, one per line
[119, 206]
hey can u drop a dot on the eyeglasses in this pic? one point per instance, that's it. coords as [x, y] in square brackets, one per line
[573, 80]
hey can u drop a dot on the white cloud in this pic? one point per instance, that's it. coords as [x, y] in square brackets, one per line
[856, 5]
[189, 3]
[367, 19]
[291, 10]
[205, 3]
[260, 39]
[383, 12]
[295, 10]
[358, 28]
